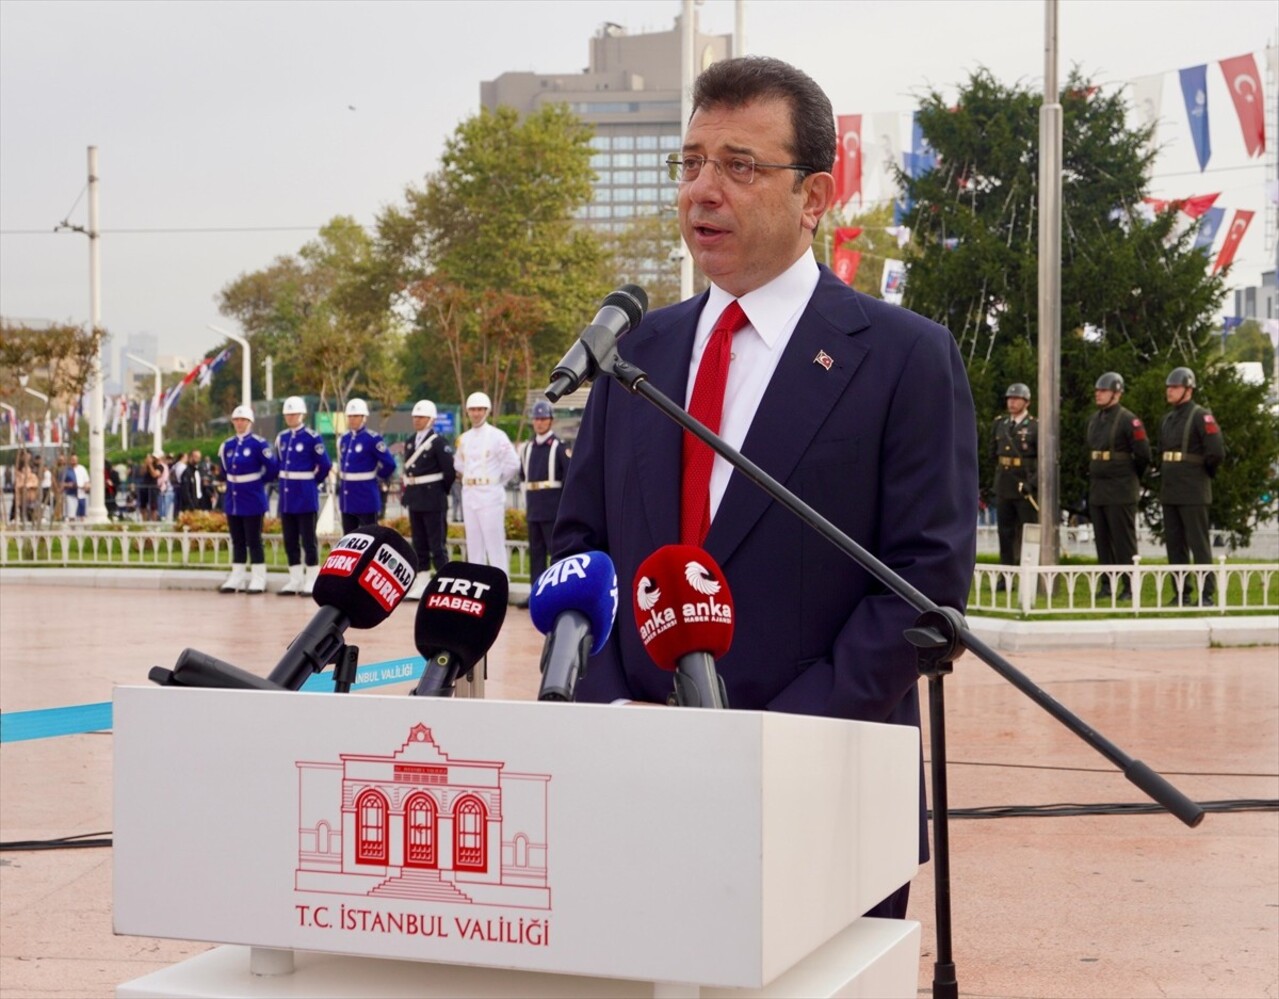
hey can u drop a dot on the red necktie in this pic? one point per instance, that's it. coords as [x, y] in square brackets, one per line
[707, 406]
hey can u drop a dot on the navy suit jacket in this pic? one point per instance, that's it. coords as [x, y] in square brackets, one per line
[883, 444]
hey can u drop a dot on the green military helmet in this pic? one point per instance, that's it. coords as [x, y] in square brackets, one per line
[1018, 390]
[1111, 381]
[1180, 376]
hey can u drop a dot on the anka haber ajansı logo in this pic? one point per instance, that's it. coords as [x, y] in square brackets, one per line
[423, 839]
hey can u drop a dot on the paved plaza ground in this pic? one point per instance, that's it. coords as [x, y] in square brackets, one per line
[1099, 905]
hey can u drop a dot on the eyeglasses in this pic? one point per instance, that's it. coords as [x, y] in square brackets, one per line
[739, 169]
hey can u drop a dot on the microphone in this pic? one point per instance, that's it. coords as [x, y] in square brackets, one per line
[685, 617]
[199, 669]
[461, 612]
[573, 604]
[364, 578]
[620, 312]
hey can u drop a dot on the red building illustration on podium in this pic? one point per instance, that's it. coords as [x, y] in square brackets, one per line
[418, 824]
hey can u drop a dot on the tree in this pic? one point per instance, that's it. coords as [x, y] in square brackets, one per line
[1249, 343]
[497, 217]
[56, 359]
[320, 316]
[1136, 296]
[875, 243]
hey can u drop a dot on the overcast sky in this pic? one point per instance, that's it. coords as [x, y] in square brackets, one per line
[266, 116]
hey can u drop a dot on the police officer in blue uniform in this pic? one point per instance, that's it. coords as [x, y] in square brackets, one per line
[248, 464]
[304, 464]
[543, 466]
[428, 477]
[362, 459]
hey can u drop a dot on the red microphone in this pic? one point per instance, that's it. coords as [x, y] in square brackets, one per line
[685, 617]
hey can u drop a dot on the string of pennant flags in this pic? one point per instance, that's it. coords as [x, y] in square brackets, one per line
[858, 174]
[141, 416]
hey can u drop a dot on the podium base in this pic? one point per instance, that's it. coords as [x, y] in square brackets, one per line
[872, 958]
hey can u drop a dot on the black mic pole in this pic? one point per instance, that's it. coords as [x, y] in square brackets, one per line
[939, 633]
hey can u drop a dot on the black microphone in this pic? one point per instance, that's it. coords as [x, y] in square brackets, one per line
[364, 578]
[462, 611]
[199, 669]
[622, 311]
[573, 604]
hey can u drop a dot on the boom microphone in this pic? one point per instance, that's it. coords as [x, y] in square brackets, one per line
[621, 312]
[685, 617]
[364, 578]
[573, 604]
[461, 612]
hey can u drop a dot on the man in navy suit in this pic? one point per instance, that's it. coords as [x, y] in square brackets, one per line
[860, 408]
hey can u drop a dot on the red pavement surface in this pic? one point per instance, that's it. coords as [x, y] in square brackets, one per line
[1128, 905]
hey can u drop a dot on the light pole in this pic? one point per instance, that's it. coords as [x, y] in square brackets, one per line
[13, 422]
[158, 447]
[246, 385]
[44, 436]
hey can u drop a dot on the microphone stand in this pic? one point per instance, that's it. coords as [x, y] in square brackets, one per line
[940, 635]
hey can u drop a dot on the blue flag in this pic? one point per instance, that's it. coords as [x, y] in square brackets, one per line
[920, 160]
[1209, 223]
[1194, 88]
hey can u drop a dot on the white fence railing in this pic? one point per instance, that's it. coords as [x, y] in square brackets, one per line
[75, 545]
[1152, 589]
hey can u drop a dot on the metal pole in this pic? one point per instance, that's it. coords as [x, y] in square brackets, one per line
[687, 38]
[269, 365]
[1050, 131]
[158, 447]
[246, 368]
[96, 511]
[13, 422]
[739, 28]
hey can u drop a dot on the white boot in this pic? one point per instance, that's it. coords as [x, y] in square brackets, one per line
[308, 580]
[234, 582]
[257, 578]
[419, 586]
[294, 585]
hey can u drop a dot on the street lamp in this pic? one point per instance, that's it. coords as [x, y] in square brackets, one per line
[246, 389]
[158, 447]
[44, 440]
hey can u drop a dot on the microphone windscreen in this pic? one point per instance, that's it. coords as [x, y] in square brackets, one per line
[586, 583]
[462, 611]
[631, 299]
[682, 605]
[366, 575]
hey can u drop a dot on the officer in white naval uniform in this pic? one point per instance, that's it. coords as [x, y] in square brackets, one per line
[485, 460]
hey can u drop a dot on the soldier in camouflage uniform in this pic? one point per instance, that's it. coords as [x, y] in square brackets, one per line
[1192, 448]
[1014, 444]
[1119, 454]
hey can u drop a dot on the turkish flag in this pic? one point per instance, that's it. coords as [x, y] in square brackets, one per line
[848, 159]
[846, 234]
[1244, 84]
[846, 263]
[1197, 204]
[1234, 236]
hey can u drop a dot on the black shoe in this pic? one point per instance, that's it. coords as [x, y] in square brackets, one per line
[1125, 593]
[1001, 586]
[1207, 601]
[1103, 590]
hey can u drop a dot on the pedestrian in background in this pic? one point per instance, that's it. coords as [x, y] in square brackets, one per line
[1119, 453]
[1191, 450]
[304, 463]
[362, 459]
[1014, 446]
[428, 477]
[485, 461]
[543, 466]
[248, 464]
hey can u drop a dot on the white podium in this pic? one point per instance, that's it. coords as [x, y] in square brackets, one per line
[398, 846]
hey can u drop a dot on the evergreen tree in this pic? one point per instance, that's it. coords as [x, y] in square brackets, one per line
[1136, 296]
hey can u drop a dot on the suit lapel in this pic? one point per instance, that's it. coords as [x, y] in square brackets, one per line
[663, 350]
[793, 408]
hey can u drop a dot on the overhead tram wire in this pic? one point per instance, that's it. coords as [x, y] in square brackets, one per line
[171, 231]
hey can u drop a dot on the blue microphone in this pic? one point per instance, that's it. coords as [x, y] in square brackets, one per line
[573, 604]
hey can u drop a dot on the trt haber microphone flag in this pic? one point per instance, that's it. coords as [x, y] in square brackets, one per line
[462, 611]
[682, 605]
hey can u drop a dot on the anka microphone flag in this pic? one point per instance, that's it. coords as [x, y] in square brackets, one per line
[1244, 83]
[682, 605]
[1194, 89]
[1234, 236]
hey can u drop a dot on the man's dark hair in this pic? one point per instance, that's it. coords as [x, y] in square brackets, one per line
[734, 83]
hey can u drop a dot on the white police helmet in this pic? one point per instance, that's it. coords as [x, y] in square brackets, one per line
[242, 413]
[478, 400]
[294, 404]
[424, 407]
[357, 407]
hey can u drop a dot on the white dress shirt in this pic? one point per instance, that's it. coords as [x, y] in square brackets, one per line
[773, 312]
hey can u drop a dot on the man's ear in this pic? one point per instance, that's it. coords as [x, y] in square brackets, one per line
[819, 197]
